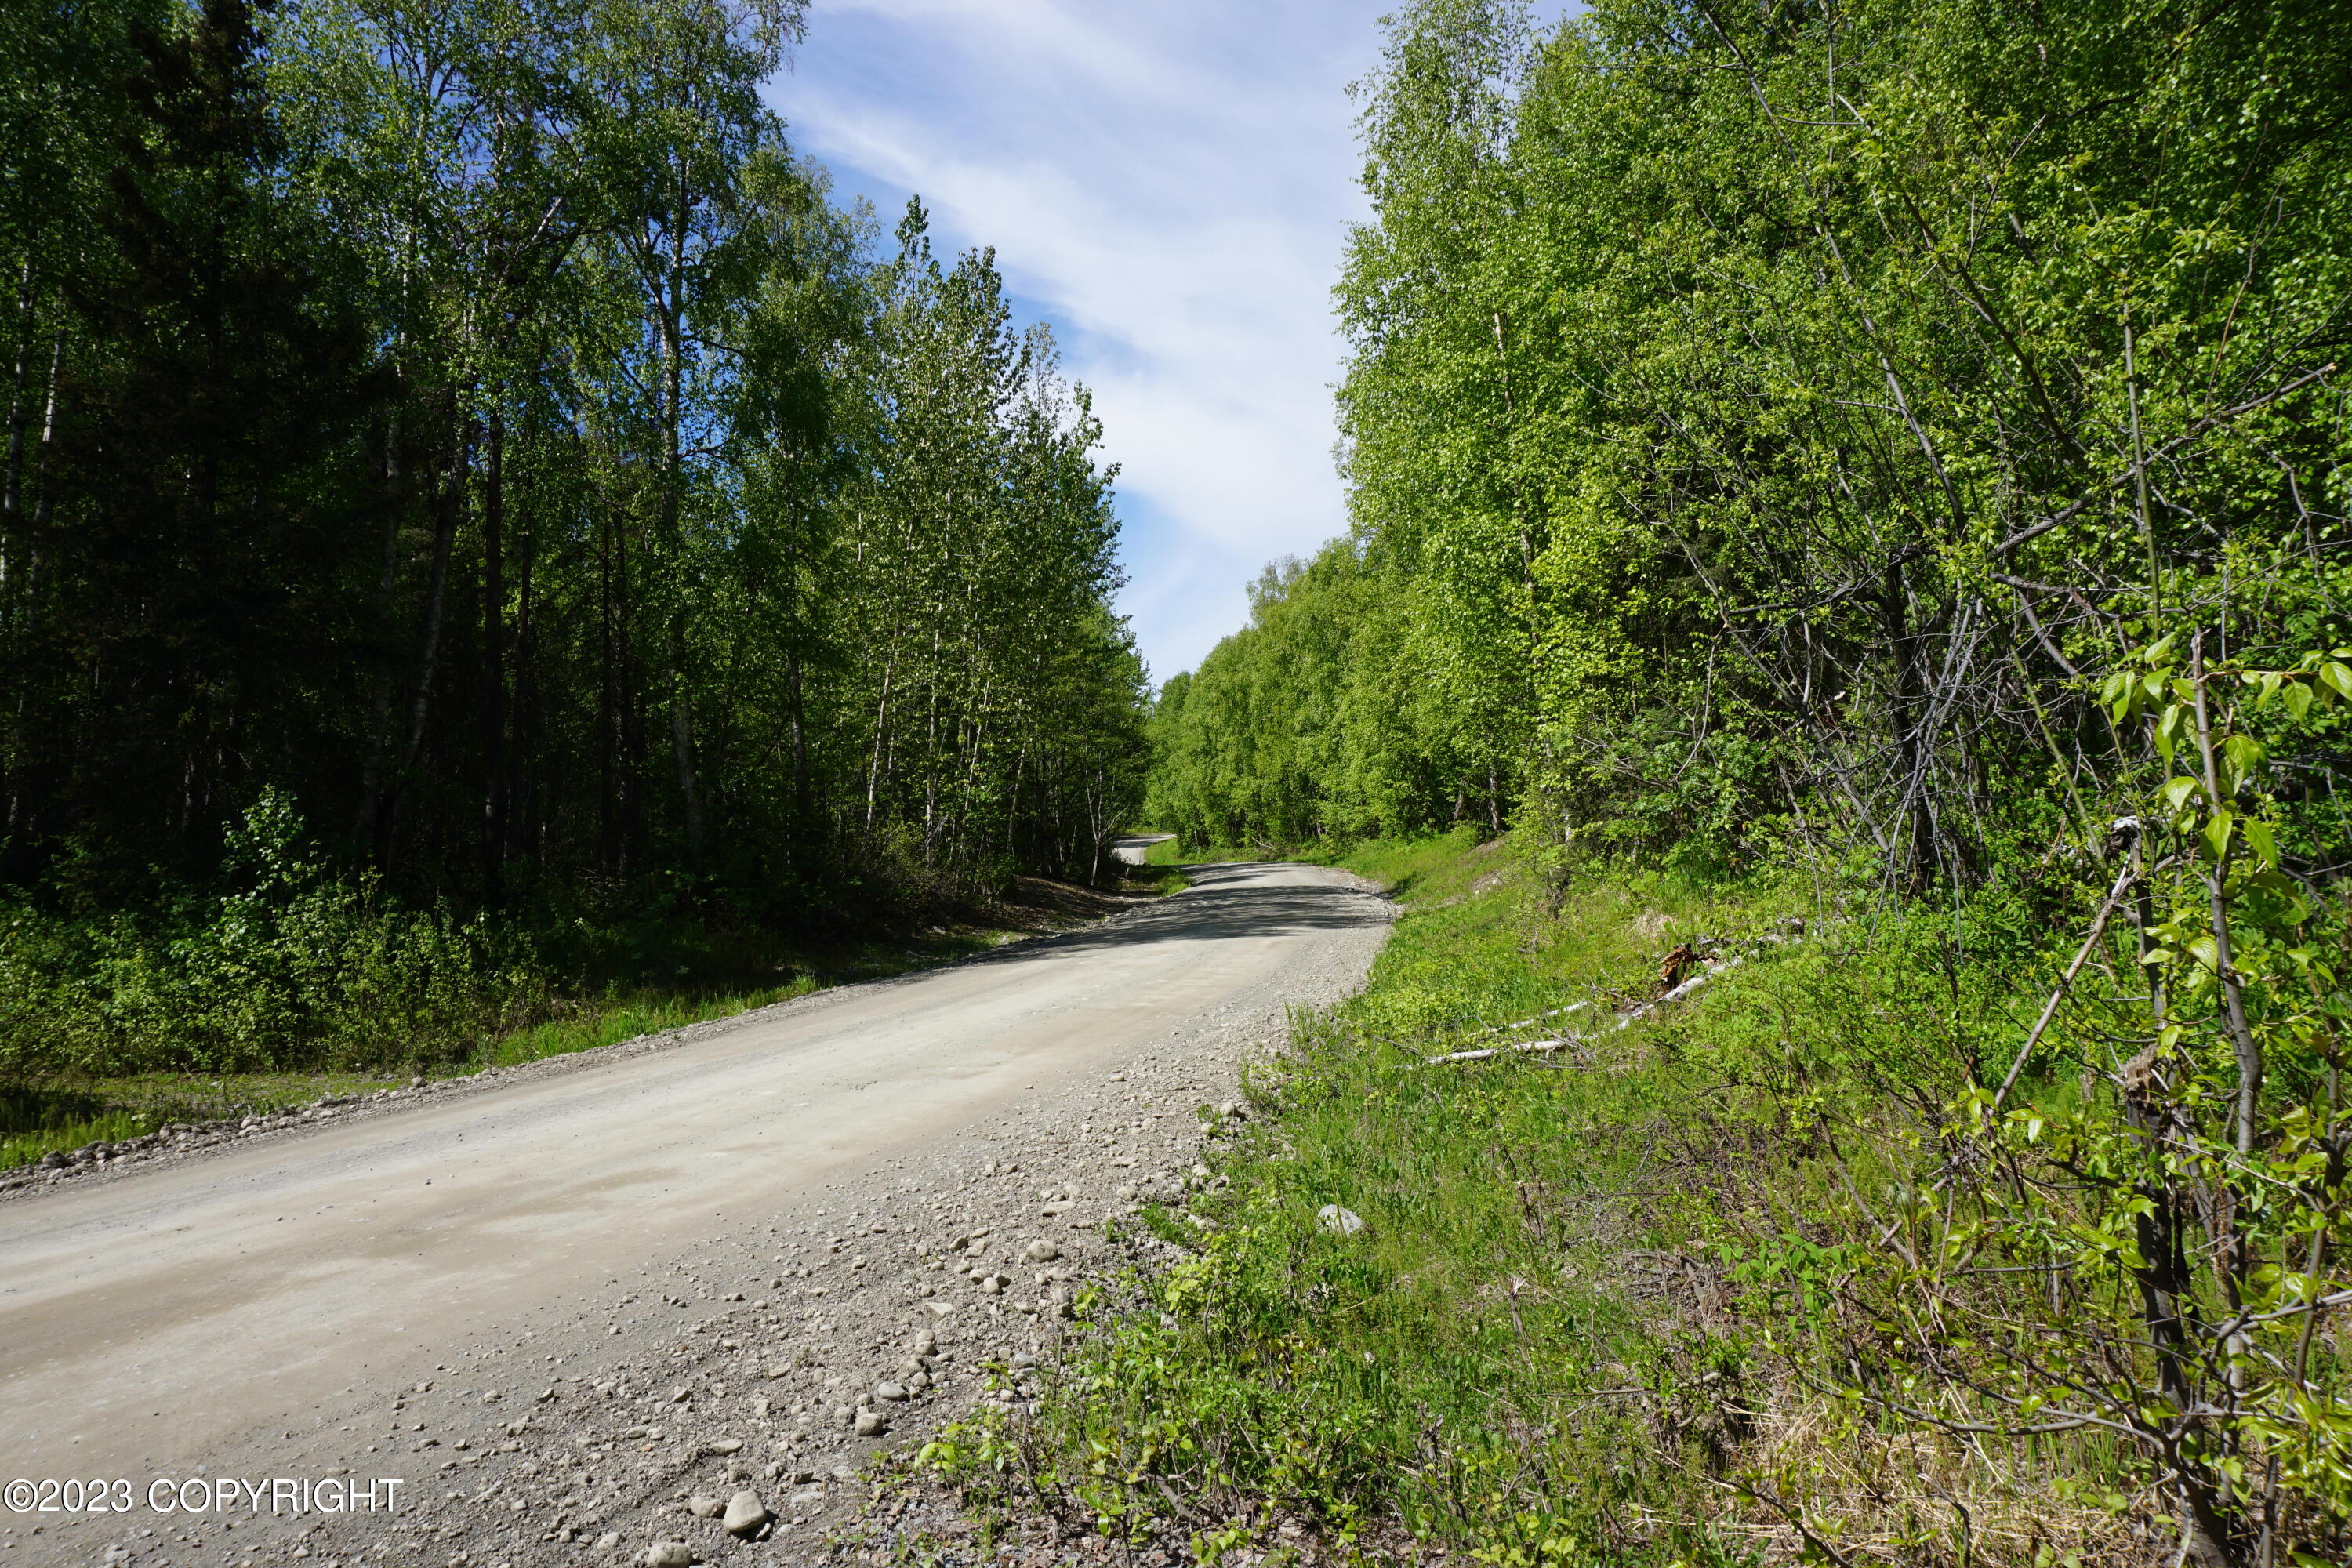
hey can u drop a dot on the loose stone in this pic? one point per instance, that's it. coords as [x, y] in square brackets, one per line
[745, 1514]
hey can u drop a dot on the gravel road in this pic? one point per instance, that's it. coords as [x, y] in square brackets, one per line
[602, 1313]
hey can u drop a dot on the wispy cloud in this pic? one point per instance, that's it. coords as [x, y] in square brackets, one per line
[1171, 187]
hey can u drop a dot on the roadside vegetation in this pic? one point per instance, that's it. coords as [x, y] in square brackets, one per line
[1843, 648]
[1625, 1293]
[655, 975]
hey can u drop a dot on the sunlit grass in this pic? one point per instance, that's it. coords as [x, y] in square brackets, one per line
[1451, 1361]
[1530, 1350]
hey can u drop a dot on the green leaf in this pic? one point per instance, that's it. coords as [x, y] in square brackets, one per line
[2216, 831]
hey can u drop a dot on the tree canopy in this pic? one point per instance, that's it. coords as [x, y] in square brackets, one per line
[476, 425]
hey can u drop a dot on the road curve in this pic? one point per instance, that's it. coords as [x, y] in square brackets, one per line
[154, 1322]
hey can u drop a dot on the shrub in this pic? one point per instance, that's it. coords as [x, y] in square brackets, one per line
[284, 964]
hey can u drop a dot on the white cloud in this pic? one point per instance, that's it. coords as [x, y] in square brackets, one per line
[1171, 187]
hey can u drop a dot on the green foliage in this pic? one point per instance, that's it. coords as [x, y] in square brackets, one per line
[478, 424]
[1898, 446]
[283, 965]
[1317, 721]
[1755, 426]
[1608, 1303]
[37, 1119]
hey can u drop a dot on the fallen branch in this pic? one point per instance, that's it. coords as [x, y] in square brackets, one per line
[2049, 1009]
[1523, 1023]
[1679, 992]
[1485, 1052]
[1624, 1019]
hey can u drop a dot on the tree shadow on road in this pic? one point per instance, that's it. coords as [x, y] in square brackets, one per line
[1225, 902]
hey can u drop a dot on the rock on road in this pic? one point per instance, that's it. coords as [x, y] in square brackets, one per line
[249, 1312]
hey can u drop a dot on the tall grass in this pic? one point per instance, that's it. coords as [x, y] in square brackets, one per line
[1576, 1324]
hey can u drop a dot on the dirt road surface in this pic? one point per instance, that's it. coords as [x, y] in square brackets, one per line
[553, 1309]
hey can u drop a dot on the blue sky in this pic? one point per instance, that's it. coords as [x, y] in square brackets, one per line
[1168, 184]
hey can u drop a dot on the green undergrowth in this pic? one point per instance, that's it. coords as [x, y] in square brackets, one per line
[1577, 1322]
[1166, 852]
[255, 990]
[67, 1111]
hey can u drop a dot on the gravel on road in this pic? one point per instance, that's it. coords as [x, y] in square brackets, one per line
[717, 1401]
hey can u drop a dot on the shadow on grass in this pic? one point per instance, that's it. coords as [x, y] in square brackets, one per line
[29, 1108]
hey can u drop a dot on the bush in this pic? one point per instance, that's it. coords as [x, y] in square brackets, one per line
[285, 965]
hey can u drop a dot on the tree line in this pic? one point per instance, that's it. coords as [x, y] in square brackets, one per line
[1904, 445]
[1769, 421]
[476, 423]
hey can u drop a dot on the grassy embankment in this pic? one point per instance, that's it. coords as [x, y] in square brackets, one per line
[706, 978]
[1582, 1319]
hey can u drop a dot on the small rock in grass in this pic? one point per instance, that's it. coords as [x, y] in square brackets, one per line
[1340, 1221]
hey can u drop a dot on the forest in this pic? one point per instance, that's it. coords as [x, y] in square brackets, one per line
[1857, 491]
[470, 497]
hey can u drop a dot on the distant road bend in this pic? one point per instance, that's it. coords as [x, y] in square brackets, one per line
[198, 1313]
